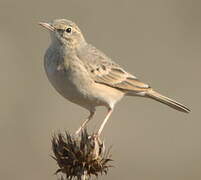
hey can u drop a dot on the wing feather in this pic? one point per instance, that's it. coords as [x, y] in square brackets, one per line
[103, 70]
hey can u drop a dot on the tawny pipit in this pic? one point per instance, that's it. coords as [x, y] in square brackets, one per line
[87, 77]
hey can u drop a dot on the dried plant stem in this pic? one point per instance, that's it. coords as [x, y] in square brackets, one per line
[81, 156]
[83, 176]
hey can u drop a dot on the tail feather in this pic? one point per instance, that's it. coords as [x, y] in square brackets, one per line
[165, 100]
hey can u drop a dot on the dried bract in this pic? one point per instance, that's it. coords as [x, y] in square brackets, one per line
[80, 155]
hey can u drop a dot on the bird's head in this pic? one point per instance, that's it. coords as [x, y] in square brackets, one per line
[65, 32]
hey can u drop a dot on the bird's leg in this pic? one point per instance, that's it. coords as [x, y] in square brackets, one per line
[85, 122]
[105, 120]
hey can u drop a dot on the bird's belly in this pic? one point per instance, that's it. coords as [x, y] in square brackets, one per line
[75, 91]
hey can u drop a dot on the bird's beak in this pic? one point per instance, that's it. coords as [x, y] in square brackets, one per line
[47, 26]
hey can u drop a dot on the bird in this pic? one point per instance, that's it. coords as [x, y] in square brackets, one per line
[86, 76]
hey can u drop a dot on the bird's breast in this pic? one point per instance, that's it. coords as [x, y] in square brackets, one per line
[69, 81]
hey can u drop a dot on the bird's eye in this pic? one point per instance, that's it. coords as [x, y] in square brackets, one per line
[68, 30]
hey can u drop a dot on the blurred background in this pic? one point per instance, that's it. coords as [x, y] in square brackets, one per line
[159, 41]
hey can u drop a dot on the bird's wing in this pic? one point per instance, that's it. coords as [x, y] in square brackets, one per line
[104, 71]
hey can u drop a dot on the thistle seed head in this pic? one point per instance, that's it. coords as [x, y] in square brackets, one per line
[80, 155]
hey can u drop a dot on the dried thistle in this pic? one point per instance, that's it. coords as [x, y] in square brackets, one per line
[80, 156]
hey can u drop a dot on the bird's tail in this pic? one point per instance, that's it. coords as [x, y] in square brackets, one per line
[165, 100]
